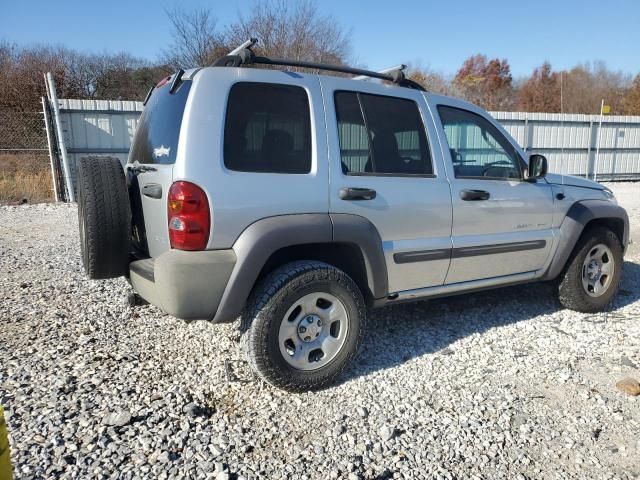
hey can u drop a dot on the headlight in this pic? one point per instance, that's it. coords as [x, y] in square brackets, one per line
[609, 194]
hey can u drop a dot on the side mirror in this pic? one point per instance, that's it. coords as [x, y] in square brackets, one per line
[538, 167]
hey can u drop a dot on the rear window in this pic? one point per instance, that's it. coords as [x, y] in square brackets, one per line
[268, 129]
[156, 139]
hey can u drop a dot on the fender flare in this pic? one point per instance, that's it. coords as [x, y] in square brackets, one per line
[264, 237]
[360, 232]
[576, 219]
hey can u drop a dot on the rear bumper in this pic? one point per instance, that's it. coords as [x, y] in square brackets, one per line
[187, 285]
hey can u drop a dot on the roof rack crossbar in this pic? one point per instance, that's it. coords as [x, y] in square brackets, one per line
[397, 68]
[321, 66]
[248, 44]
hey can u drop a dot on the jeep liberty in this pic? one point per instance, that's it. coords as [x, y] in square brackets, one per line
[298, 201]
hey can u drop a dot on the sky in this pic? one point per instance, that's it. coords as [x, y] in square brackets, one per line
[437, 35]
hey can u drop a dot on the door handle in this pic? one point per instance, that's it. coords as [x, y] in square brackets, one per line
[152, 190]
[474, 195]
[353, 193]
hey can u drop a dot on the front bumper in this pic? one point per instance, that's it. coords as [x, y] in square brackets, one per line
[187, 285]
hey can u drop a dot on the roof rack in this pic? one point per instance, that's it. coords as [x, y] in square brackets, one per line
[243, 55]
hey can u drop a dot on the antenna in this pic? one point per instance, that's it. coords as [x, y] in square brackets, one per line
[390, 71]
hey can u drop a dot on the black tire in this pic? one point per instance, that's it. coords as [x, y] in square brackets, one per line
[571, 292]
[266, 309]
[104, 217]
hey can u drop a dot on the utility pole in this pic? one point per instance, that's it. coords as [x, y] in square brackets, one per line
[595, 165]
[562, 159]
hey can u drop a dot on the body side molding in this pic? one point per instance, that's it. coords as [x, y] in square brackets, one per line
[461, 252]
[422, 255]
[578, 216]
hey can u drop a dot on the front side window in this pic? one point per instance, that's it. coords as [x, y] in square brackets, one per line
[478, 149]
[268, 129]
[381, 135]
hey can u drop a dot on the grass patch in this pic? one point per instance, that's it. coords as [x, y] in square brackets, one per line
[25, 178]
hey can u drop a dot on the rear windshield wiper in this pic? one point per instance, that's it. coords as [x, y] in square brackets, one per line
[146, 99]
[141, 168]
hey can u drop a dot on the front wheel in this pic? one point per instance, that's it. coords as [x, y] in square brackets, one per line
[592, 275]
[303, 325]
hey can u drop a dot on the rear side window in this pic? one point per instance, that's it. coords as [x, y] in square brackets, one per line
[267, 129]
[156, 139]
[381, 135]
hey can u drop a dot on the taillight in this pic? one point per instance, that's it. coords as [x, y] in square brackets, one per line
[163, 82]
[189, 220]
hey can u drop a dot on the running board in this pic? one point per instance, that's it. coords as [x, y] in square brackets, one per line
[461, 287]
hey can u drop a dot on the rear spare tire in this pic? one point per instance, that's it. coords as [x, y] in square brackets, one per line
[104, 217]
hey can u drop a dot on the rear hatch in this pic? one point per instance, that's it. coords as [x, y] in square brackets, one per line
[150, 166]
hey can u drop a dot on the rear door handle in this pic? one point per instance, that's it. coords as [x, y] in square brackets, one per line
[152, 190]
[474, 195]
[353, 193]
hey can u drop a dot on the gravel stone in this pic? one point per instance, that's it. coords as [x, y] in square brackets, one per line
[119, 418]
[629, 385]
[500, 384]
[386, 433]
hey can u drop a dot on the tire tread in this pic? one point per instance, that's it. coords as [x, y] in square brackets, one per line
[104, 208]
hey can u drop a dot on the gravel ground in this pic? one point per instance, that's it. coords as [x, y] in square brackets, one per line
[501, 384]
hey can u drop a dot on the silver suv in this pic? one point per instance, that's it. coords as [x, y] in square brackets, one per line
[297, 201]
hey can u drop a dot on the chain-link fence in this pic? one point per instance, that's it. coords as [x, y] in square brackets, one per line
[25, 171]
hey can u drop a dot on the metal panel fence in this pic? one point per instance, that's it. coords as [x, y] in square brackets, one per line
[570, 142]
[98, 127]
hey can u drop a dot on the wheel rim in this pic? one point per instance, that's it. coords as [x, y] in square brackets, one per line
[313, 331]
[597, 270]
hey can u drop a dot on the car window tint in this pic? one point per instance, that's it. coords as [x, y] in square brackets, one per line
[477, 147]
[381, 135]
[267, 129]
[156, 138]
[352, 133]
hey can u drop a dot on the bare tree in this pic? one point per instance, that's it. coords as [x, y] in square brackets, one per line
[632, 98]
[196, 41]
[21, 75]
[296, 31]
[433, 81]
[586, 85]
[77, 75]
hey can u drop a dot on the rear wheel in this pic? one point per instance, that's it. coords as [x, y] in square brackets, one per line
[303, 325]
[104, 217]
[592, 275]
